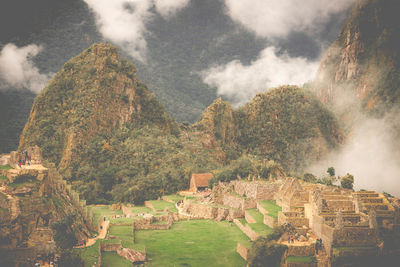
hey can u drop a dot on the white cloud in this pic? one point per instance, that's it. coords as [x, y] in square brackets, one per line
[370, 154]
[240, 83]
[124, 21]
[169, 7]
[18, 70]
[277, 18]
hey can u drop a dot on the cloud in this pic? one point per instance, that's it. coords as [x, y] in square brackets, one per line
[124, 21]
[169, 7]
[370, 154]
[239, 83]
[277, 18]
[18, 70]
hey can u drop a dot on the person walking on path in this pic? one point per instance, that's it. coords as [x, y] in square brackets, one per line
[316, 246]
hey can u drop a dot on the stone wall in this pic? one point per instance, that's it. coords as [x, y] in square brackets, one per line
[292, 219]
[205, 211]
[249, 218]
[242, 250]
[107, 247]
[246, 230]
[307, 250]
[270, 221]
[257, 190]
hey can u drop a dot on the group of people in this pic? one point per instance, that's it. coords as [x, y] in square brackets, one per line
[26, 159]
[318, 245]
[291, 238]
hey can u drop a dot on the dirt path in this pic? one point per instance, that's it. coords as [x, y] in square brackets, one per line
[102, 235]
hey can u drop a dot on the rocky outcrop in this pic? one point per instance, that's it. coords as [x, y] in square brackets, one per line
[218, 121]
[364, 61]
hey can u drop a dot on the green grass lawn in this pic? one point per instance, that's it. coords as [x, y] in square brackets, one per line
[271, 207]
[5, 167]
[194, 243]
[103, 211]
[160, 205]
[123, 233]
[89, 254]
[121, 220]
[259, 227]
[300, 259]
[112, 259]
[140, 209]
[175, 198]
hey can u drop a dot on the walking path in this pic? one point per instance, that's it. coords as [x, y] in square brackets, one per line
[102, 235]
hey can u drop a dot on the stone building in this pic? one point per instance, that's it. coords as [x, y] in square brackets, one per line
[199, 181]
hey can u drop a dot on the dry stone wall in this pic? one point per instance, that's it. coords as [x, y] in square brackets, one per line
[257, 190]
[242, 250]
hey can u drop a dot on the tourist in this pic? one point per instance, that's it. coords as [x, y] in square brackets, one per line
[20, 163]
[320, 244]
[316, 246]
[288, 239]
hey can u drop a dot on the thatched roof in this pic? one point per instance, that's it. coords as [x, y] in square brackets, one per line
[201, 179]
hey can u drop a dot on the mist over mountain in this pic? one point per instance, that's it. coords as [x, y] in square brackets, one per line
[182, 43]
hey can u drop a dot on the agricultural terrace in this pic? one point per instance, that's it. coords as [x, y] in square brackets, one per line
[259, 227]
[271, 207]
[193, 243]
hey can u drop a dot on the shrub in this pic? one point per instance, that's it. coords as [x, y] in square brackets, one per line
[22, 178]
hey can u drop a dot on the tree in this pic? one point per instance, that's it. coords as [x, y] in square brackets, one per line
[347, 181]
[65, 235]
[69, 258]
[265, 251]
[331, 171]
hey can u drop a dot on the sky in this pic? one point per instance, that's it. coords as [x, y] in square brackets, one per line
[285, 59]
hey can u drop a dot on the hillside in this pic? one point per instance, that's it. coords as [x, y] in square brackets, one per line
[93, 93]
[107, 134]
[287, 124]
[364, 60]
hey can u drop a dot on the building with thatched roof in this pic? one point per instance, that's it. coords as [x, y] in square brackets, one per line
[199, 181]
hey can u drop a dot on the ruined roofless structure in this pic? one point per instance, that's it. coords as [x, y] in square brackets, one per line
[199, 181]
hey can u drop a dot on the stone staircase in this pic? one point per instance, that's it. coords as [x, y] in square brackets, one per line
[322, 258]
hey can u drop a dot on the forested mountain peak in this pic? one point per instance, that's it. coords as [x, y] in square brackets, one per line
[95, 92]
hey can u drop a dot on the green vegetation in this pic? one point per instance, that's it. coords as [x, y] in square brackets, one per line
[3, 178]
[5, 167]
[70, 258]
[123, 233]
[112, 259]
[265, 251]
[193, 243]
[89, 254]
[271, 207]
[300, 259]
[103, 210]
[160, 205]
[24, 180]
[259, 227]
[64, 232]
[283, 124]
[246, 166]
[175, 198]
[347, 181]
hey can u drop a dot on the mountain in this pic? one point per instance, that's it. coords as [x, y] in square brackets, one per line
[93, 93]
[106, 133]
[287, 124]
[365, 58]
